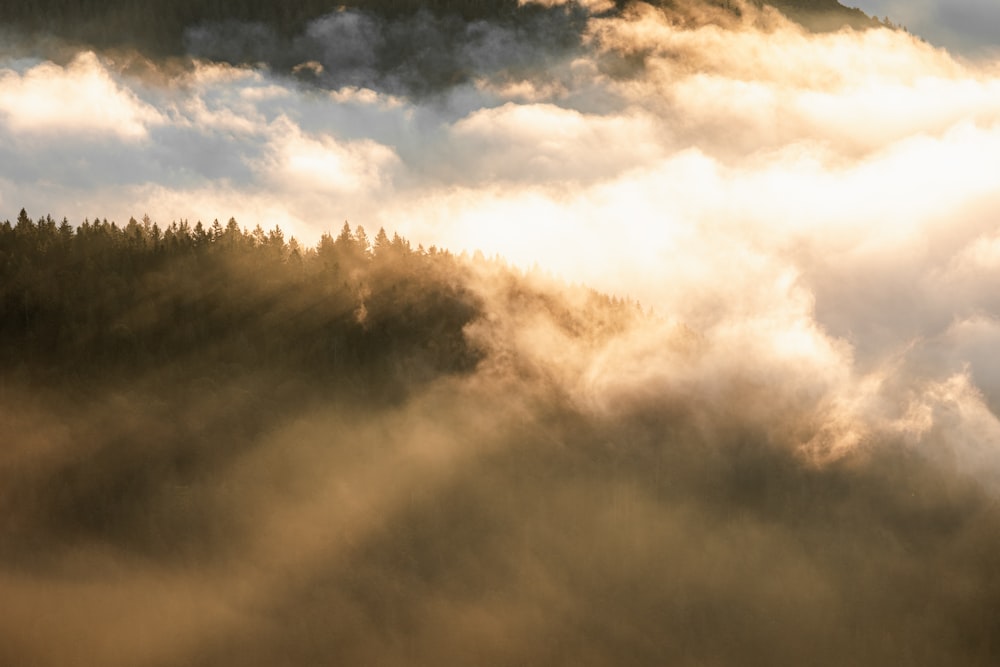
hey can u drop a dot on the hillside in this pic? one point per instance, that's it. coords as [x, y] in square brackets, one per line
[223, 448]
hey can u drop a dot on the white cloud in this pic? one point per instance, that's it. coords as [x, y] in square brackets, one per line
[296, 162]
[80, 98]
[546, 142]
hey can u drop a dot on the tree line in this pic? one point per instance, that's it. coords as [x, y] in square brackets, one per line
[370, 315]
[106, 299]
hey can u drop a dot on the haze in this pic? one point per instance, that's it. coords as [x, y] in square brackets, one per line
[787, 453]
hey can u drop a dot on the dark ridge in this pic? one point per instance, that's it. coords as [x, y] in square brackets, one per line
[158, 27]
[102, 299]
[94, 302]
[404, 46]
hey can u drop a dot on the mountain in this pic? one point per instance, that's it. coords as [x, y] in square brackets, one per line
[159, 27]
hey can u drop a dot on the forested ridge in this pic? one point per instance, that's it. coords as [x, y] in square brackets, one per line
[208, 336]
[101, 300]
[416, 48]
[220, 447]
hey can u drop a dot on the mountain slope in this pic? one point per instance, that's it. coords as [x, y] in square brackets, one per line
[220, 448]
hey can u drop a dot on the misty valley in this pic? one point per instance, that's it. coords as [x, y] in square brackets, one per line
[524, 332]
[222, 447]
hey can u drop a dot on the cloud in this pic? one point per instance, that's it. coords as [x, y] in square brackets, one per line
[323, 165]
[543, 142]
[81, 98]
[858, 162]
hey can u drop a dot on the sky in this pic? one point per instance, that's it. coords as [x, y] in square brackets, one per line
[967, 27]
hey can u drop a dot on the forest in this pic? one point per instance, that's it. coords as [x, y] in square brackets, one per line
[99, 298]
[222, 447]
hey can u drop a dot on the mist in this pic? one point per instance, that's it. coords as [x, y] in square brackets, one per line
[770, 435]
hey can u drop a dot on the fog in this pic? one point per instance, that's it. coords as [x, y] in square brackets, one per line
[788, 453]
